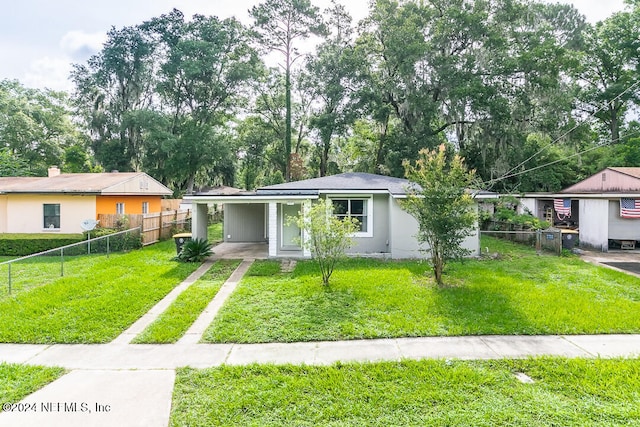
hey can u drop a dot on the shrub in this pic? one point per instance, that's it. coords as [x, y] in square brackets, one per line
[195, 250]
[27, 244]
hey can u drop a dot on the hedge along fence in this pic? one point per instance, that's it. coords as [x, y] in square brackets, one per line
[26, 244]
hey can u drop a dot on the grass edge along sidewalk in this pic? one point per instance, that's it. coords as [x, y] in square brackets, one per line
[520, 293]
[539, 391]
[18, 381]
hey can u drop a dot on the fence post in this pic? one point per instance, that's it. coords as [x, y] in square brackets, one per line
[9, 278]
[107, 246]
[61, 262]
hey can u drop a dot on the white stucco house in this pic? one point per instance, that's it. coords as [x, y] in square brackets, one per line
[386, 230]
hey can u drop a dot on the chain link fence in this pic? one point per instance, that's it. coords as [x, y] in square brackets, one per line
[40, 268]
[549, 240]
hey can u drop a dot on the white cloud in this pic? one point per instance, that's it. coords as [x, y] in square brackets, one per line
[48, 72]
[80, 45]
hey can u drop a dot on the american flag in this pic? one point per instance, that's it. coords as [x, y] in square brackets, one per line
[630, 208]
[562, 206]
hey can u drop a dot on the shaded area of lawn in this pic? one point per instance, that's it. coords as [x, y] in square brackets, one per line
[97, 299]
[177, 319]
[521, 293]
[574, 392]
[18, 381]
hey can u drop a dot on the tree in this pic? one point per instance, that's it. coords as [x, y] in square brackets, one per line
[209, 64]
[441, 204]
[115, 84]
[328, 237]
[36, 128]
[609, 70]
[328, 80]
[279, 24]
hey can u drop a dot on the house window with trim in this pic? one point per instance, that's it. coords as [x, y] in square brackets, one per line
[120, 208]
[145, 207]
[358, 209]
[51, 215]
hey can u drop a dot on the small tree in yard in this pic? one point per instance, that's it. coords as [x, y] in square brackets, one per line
[329, 237]
[442, 205]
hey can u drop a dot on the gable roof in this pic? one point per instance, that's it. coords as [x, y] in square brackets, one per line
[350, 181]
[112, 183]
[609, 180]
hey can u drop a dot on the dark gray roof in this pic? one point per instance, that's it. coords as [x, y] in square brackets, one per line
[341, 182]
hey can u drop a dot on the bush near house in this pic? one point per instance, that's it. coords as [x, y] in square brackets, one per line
[505, 217]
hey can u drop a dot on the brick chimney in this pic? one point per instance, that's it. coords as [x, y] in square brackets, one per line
[53, 171]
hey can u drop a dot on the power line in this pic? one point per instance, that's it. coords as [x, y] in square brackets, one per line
[510, 173]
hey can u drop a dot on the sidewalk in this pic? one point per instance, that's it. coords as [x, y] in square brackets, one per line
[172, 356]
[132, 384]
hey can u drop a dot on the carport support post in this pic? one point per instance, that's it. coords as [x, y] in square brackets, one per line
[273, 229]
[199, 221]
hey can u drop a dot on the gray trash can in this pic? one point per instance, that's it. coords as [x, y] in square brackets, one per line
[569, 239]
[181, 239]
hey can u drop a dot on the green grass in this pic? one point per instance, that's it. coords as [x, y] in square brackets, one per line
[96, 300]
[521, 293]
[175, 321]
[565, 392]
[18, 381]
[214, 233]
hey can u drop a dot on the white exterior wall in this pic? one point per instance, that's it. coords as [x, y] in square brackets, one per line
[199, 220]
[404, 228]
[25, 213]
[622, 228]
[594, 224]
[530, 204]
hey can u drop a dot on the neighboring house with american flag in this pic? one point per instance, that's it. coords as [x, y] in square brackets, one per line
[605, 208]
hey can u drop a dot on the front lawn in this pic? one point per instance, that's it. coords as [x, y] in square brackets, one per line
[174, 322]
[18, 381]
[565, 392]
[520, 293]
[96, 300]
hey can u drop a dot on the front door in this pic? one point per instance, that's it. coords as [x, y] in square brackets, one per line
[290, 231]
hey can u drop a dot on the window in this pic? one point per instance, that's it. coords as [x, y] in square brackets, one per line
[51, 216]
[355, 208]
[145, 207]
[120, 208]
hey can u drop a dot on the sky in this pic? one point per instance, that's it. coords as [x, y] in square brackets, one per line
[40, 39]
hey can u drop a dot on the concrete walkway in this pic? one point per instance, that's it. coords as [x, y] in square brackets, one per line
[132, 384]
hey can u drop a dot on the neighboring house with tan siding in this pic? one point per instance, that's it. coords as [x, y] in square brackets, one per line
[61, 201]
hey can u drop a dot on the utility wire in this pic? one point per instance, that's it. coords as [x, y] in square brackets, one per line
[510, 173]
[513, 174]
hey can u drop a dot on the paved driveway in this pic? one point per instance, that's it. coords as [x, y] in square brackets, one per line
[627, 261]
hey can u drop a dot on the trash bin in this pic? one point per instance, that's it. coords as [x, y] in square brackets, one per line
[181, 239]
[569, 239]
